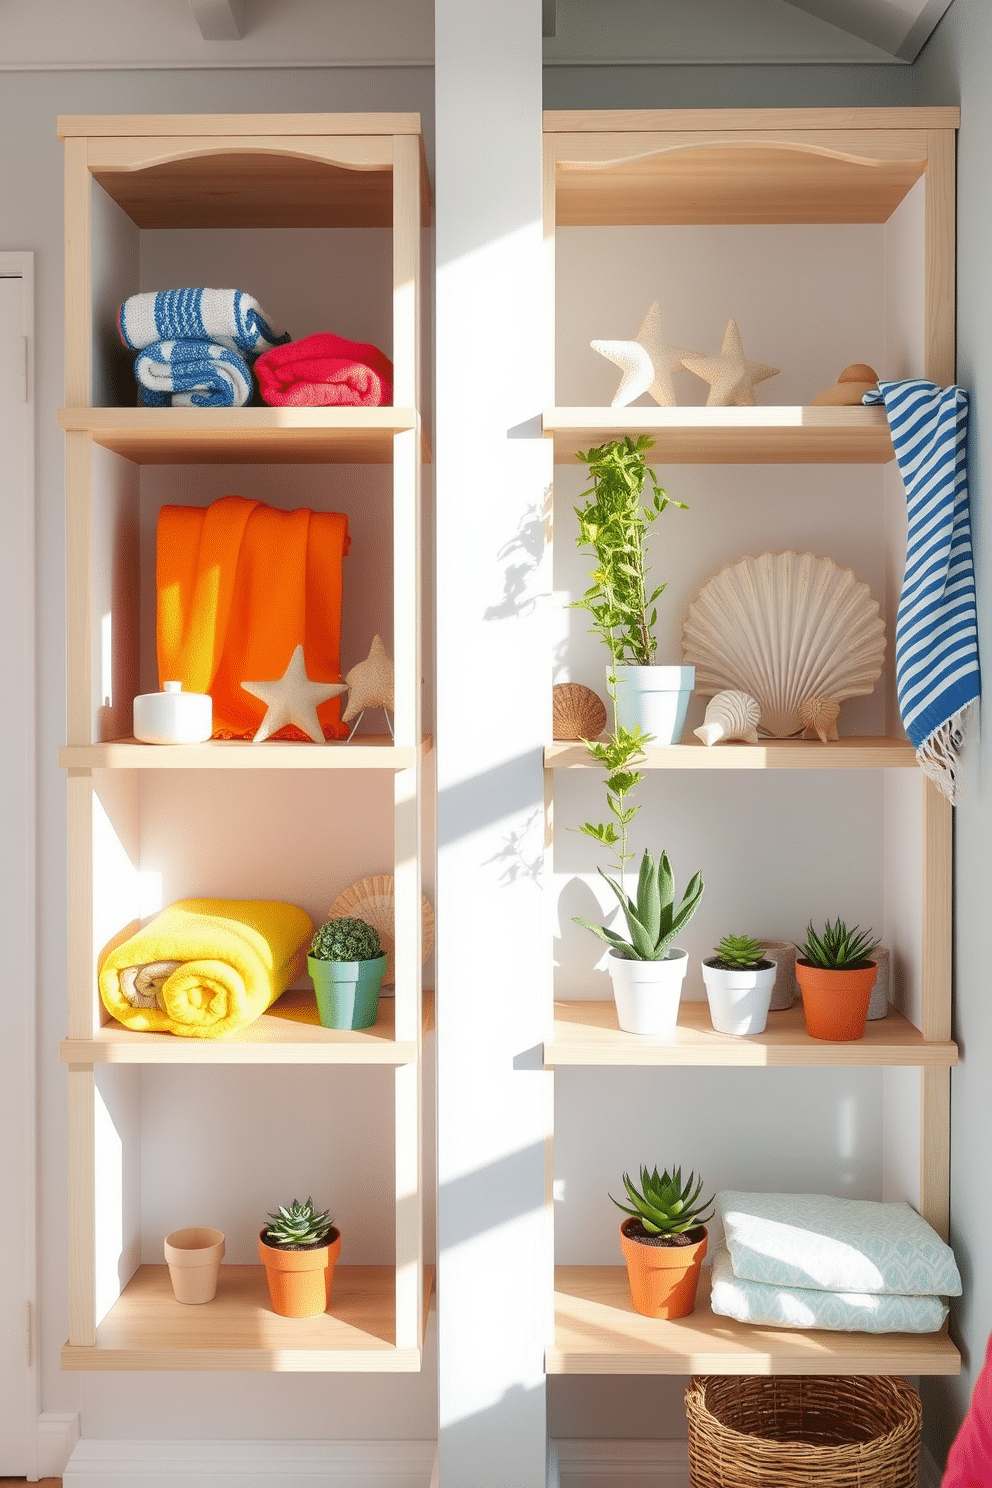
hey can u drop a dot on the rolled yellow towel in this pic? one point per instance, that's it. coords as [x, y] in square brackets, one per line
[204, 967]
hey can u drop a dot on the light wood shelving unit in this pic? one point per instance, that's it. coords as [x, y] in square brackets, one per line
[123, 175]
[758, 166]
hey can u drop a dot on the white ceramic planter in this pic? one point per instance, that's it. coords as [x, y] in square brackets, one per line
[647, 993]
[173, 716]
[738, 997]
[654, 697]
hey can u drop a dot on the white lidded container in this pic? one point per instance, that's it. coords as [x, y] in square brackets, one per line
[173, 716]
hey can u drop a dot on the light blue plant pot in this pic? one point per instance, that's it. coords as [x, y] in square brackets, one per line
[654, 698]
[347, 991]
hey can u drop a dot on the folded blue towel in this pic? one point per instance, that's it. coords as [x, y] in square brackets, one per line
[198, 374]
[228, 316]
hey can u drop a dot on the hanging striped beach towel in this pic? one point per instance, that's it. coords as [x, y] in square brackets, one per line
[937, 669]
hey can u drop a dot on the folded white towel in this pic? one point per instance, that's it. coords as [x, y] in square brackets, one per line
[837, 1245]
[804, 1307]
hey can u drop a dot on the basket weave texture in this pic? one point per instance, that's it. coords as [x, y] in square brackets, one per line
[802, 1431]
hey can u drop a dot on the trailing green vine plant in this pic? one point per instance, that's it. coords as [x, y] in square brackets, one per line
[614, 522]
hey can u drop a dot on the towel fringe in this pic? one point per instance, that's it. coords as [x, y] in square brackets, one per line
[938, 755]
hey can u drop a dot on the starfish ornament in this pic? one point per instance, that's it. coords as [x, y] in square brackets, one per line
[730, 375]
[370, 683]
[648, 363]
[293, 698]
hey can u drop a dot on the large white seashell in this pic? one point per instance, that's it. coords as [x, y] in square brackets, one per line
[785, 627]
[730, 714]
[373, 900]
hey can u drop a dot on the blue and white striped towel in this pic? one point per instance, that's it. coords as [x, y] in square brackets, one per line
[937, 669]
[192, 374]
[228, 316]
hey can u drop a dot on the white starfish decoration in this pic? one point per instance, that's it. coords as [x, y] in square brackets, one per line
[730, 375]
[370, 683]
[293, 698]
[648, 363]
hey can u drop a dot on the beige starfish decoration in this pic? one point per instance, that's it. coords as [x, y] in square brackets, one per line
[648, 363]
[293, 698]
[370, 683]
[730, 375]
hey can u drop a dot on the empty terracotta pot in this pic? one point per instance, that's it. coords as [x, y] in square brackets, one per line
[194, 1256]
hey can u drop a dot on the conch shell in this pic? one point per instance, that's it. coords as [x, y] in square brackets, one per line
[819, 718]
[730, 714]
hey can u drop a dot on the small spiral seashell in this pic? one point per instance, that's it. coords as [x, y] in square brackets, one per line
[819, 718]
[577, 712]
[730, 714]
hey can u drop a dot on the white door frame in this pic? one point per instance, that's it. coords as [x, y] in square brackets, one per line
[18, 1068]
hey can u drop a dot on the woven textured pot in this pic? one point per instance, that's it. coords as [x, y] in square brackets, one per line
[783, 1431]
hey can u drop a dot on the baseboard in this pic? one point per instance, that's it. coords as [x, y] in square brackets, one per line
[622, 1464]
[250, 1464]
[930, 1473]
[58, 1433]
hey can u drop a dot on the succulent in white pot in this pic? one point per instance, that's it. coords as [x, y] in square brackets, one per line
[739, 980]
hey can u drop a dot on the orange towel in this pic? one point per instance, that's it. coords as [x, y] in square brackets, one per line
[240, 586]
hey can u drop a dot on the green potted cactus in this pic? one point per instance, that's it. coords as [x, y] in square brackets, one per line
[739, 980]
[346, 965]
[647, 970]
[835, 972]
[664, 1241]
[299, 1248]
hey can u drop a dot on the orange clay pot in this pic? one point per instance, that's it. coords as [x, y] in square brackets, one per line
[663, 1278]
[300, 1280]
[835, 1003]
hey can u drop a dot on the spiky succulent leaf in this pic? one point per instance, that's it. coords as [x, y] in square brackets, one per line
[297, 1224]
[648, 898]
[664, 1204]
[837, 948]
[739, 951]
[652, 924]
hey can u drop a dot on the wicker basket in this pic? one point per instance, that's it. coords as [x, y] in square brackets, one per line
[802, 1431]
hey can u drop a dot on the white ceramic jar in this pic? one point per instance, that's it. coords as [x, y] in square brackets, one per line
[173, 716]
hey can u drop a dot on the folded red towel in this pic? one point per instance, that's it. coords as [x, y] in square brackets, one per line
[325, 369]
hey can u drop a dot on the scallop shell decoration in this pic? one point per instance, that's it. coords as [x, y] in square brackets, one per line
[577, 712]
[731, 714]
[786, 628]
[373, 900]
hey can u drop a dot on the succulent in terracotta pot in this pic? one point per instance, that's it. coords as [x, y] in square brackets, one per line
[664, 1241]
[835, 972]
[299, 1248]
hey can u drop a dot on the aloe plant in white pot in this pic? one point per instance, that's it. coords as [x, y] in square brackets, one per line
[614, 522]
[647, 969]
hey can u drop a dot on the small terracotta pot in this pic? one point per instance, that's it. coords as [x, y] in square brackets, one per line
[300, 1280]
[835, 1003]
[663, 1278]
[194, 1256]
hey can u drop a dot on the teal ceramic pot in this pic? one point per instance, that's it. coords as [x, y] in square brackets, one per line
[347, 991]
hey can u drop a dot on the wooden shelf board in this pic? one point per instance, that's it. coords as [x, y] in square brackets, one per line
[148, 1329]
[854, 752]
[587, 1033]
[613, 121]
[365, 752]
[233, 436]
[597, 1331]
[289, 1033]
[227, 126]
[717, 436]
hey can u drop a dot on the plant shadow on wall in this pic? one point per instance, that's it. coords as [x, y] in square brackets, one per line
[521, 558]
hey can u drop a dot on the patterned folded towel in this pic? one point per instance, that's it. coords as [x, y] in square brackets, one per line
[228, 316]
[323, 370]
[937, 670]
[198, 374]
[805, 1307]
[835, 1245]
